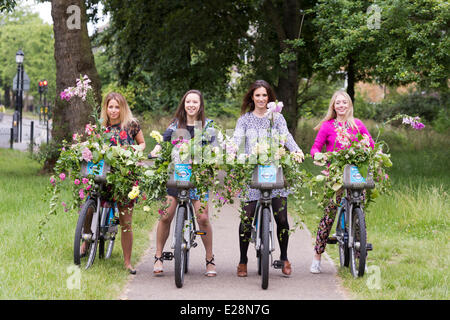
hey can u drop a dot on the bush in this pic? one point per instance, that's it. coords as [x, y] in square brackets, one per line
[426, 106]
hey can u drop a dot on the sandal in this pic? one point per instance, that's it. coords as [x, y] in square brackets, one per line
[158, 271]
[211, 273]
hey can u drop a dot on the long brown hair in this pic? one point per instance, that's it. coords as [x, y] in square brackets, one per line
[180, 114]
[126, 117]
[247, 103]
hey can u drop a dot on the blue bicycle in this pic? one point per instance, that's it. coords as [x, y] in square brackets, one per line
[98, 220]
[351, 233]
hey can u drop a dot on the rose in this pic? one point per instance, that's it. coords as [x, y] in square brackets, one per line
[77, 182]
[85, 180]
[62, 176]
[86, 154]
[123, 135]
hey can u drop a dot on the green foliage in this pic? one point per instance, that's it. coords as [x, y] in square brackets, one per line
[426, 106]
[181, 45]
[410, 43]
[24, 30]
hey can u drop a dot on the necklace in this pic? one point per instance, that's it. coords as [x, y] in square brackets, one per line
[336, 124]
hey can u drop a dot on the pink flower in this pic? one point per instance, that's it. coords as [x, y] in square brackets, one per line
[81, 194]
[88, 187]
[85, 180]
[161, 212]
[62, 176]
[77, 182]
[63, 204]
[86, 154]
[52, 181]
[75, 136]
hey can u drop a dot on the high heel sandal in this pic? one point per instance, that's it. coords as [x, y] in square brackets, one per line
[158, 271]
[211, 273]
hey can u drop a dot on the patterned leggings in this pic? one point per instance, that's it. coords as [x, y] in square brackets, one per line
[325, 224]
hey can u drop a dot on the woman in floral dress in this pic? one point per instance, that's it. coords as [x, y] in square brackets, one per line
[118, 119]
[254, 125]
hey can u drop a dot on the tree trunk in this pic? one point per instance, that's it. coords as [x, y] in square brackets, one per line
[351, 79]
[287, 91]
[286, 23]
[74, 58]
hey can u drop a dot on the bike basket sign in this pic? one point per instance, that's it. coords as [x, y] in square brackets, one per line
[183, 172]
[267, 174]
[95, 168]
[355, 176]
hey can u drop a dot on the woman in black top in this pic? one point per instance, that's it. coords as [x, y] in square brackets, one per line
[190, 110]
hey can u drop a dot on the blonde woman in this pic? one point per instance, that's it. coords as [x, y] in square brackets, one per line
[118, 119]
[340, 114]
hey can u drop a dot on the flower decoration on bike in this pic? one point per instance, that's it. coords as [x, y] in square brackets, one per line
[94, 146]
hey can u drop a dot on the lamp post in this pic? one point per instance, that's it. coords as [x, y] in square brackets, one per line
[17, 117]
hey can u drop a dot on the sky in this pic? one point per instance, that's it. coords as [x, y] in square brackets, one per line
[44, 10]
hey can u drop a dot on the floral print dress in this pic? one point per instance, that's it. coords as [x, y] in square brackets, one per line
[249, 129]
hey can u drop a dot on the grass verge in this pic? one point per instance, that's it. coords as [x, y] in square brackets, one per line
[44, 269]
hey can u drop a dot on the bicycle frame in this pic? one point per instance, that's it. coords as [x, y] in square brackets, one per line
[189, 222]
[260, 205]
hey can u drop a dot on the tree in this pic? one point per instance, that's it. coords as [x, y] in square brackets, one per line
[22, 29]
[388, 41]
[177, 45]
[73, 55]
[282, 51]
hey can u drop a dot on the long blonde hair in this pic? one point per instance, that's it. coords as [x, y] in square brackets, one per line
[331, 114]
[126, 117]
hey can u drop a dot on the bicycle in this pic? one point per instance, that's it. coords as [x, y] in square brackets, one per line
[351, 233]
[185, 230]
[265, 178]
[97, 221]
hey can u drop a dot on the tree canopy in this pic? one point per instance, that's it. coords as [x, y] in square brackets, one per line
[22, 29]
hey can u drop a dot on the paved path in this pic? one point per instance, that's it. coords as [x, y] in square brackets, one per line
[40, 133]
[226, 285]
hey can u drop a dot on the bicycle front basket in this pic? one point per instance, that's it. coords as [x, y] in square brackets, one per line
[353, 179]
[268, 177]
[180, 178]
[99, 170]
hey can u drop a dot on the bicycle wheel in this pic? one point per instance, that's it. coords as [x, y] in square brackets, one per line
[180, 247]
[358, 252]
[341, 231]
[84, 239]
[265, 249]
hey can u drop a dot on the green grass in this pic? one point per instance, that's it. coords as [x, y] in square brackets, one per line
[39, 269]
[408, 227]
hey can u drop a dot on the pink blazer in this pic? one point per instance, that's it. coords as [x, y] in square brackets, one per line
[327, 136]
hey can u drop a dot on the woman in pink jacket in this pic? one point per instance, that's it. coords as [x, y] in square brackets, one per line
[340, 114]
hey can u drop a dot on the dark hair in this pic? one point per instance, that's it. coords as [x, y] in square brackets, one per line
[180, 114]
[247, 102]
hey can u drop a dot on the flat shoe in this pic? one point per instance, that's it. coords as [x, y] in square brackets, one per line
[131, 271]
[287, 270]
[242, 270]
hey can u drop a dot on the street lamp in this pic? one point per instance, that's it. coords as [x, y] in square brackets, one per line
[17, 117]
[19, 57]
